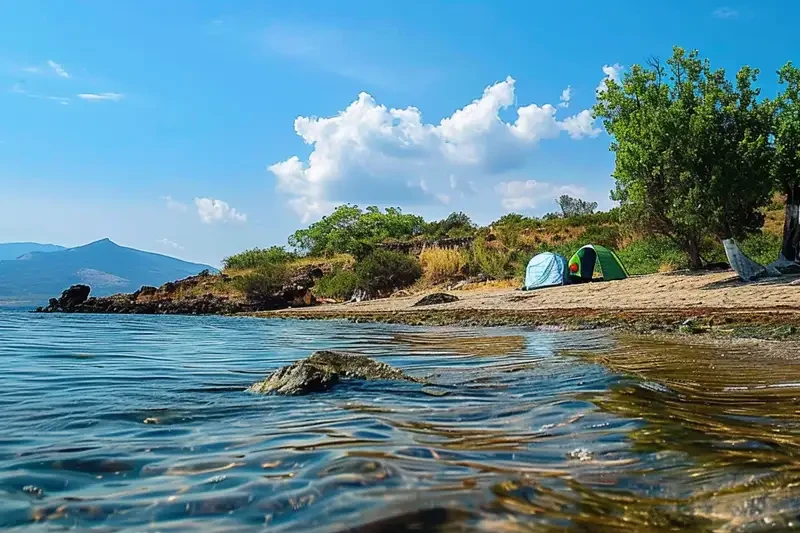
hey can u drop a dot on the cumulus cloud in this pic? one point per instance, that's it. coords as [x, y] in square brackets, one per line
[58, 69]
[211, 211]
[169, 244]
[566, 95]
[612, 72]
[174, 205]
[581, 125]
[527, 195]
[99, 97]
[369, 152]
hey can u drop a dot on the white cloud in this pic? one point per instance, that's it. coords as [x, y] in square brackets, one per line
[175, 205]
[19, 88]
[612, 72]
[581, 125]
[32, 70]
[169, 244]
[527, 195]
[371, 153]
[58, 69]
[96, 97]
[725, 13]
[211, 211]
[566, 95]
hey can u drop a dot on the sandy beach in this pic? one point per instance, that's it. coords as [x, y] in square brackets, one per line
[716, 297]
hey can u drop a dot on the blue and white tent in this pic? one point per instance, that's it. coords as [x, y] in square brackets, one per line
[546, 270]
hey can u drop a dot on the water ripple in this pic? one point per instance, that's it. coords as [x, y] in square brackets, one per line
[125, 423]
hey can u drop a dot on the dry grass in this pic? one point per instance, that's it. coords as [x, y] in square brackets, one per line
[442, 264]
[494, 284]
[774, 222]
[668, 267]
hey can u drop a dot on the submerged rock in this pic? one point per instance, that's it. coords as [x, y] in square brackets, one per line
[324, 369]
[437, 298]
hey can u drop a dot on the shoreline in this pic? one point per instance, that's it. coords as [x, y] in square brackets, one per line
[675, 303]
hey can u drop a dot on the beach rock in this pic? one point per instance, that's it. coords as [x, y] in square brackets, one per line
[324, 369]
[437, 298]
[70, 299]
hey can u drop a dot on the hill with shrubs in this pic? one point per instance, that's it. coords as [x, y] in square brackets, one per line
[360, 252]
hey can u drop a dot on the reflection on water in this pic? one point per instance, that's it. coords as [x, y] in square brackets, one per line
[131, 423]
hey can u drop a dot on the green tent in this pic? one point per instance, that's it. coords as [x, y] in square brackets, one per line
[581, 266]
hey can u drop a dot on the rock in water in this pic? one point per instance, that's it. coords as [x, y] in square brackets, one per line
[324, 369]
[437, 298]
[70, 299]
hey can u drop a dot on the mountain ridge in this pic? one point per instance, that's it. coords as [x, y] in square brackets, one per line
[104, 265]
[13, 250]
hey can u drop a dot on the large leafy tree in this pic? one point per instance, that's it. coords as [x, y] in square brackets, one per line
[350, 230]
[692, 149]
[786, 167]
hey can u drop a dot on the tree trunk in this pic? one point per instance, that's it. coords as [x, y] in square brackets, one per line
[692, 248]
[790, 250]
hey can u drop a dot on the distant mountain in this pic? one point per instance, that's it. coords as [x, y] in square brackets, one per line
[12, 250]
[105, 266]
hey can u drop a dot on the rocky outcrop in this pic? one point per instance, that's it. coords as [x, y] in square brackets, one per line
[324, 369]
[70, 299]
[203, 294]
[436, 298]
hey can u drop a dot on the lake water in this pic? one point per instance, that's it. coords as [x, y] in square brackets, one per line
[132, 423]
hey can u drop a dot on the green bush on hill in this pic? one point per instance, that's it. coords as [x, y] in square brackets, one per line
[496, 262]
[384, 271]
[339, 285]
[263, 282]
[258, 257]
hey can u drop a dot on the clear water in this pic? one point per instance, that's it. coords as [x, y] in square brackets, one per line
[132, 423]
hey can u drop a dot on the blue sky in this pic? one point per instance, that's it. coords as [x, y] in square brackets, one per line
[171, 126]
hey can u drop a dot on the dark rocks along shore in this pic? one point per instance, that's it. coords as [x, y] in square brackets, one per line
[195, 295]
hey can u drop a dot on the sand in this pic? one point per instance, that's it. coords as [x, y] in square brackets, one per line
[671, 296]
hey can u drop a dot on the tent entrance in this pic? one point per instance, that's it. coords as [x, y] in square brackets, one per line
[582, 265]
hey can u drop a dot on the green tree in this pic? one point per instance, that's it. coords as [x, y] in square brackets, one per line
[786, 166]
[350, 230]
[692, 150]
[575, 207]
[455, 225]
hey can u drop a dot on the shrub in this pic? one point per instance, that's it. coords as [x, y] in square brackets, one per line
[339, 284]
[258, 257]
[761, 247]
[442, 264]
[383, 271]
[495, 262]
[263, 283]
[650, 254]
